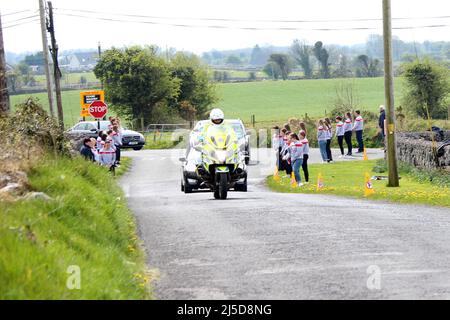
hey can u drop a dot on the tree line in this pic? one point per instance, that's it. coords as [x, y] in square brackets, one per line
[142, 83]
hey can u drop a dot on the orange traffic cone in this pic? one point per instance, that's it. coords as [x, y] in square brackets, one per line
[368, 186]
[320, 183]
[365, 157]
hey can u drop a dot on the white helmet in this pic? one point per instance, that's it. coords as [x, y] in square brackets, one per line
[216, 116]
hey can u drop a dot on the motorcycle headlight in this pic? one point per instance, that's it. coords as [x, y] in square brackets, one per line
[221, 155]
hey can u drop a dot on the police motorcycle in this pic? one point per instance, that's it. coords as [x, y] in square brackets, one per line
[223, 164]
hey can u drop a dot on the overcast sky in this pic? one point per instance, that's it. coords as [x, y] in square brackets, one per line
[73, 32]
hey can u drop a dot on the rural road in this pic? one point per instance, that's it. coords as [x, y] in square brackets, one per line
[266, 245]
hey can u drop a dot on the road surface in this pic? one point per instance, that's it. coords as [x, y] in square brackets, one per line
[266, 245]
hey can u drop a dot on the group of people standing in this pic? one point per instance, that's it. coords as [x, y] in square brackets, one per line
[343, 132]
[105, 150]
[293, 149]
[292, 152]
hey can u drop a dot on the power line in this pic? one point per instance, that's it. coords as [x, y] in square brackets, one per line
[247, 20]
[21, 19]
[245, 28]
[21, 23]
[17, 12]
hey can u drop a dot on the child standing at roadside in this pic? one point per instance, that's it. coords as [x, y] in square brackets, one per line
[329, 134]
[358, 128]
[286, 162]
[348, 132]
[305, 144]
[322, 140]
[340, 134]
[107, 155]
[295, 154]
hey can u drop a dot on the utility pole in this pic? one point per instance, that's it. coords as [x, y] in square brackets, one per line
[4, 96]
[99, 57]
[45, 54]
[393, 180]
[56, 71]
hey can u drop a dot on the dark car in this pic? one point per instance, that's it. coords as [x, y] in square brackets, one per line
[130, 138]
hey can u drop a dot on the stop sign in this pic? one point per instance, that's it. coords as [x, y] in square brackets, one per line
[98, 109]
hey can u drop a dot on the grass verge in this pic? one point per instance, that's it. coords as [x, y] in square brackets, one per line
[347, 179]
[86, 224]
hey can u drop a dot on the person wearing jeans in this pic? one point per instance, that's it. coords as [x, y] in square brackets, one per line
[348, 132]
[340, 134]
[322, 137]
[295, 153]
[358, 128]
[305, 144]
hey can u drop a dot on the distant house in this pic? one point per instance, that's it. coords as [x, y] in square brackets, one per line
[79, 61]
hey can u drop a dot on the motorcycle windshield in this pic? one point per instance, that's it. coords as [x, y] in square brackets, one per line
[220, 137]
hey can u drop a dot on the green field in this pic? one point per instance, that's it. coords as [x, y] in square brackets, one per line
[272, 101]
[269, 101]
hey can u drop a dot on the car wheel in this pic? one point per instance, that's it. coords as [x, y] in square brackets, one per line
[216, 194]
[241, 187]
[182, 186]
[137, 148]
[247, 160]
[187, 187]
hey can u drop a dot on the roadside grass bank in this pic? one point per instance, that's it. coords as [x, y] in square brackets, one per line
[85, 226]
[348, 179]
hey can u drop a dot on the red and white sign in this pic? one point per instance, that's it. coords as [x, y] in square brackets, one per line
[98, 109]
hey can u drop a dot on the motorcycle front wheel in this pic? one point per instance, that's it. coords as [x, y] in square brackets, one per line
[223, 186]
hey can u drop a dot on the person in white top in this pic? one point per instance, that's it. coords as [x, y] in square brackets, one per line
[305, 144]
[340, 134]
[329, 128]
[348, 132]
[358, 128]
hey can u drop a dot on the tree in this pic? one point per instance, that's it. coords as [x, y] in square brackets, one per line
[34, 59]
[301, 53]
[427, 88]
[367, 67]
[258, 57]
[322, 56]
[136, 80]
[196, 92]
[283, 62]
[272, 70]
[343, 69]
[232, 59]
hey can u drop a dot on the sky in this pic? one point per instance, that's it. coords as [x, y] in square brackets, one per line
[85, 28]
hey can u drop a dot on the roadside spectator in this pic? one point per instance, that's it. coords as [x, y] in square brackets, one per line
[348, 132]
[86, 149]
[340, 134]
[276, 144]
[99, 140]
[305, 144]
[322, 140]
[107, 155]
[358, 127]
[381, 120]
[329, 133]
[286, 162]
[94, 149]
[295, 155]
[287, 127]
[117, 140]
[303, 127]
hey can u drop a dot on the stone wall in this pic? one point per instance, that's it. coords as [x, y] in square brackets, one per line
[415, 148]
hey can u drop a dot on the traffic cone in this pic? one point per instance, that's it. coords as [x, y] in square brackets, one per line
[276, 175]
[293, 181]
[368, 186]
[365, 157]
[320, 183]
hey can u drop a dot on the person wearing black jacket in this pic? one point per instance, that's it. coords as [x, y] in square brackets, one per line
[381, 119]
[86, 150]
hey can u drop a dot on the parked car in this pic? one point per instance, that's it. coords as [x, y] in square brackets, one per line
[130, 138]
